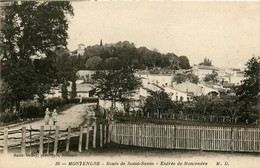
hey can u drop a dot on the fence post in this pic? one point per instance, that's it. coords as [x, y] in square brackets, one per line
[94, 135]
[68, 139]
[56, 140]
[175, 137]
[80, 139]
[101, 135]
[30, 139]
[105, 134]
[48, 146]
[5, 140]
[202, 138]
[231, 140]
[139, 137]
[23, 140]
[148, 115]
[41, 140]
[87, 138]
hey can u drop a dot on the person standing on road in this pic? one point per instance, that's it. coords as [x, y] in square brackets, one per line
[47, 116]
[54, 116]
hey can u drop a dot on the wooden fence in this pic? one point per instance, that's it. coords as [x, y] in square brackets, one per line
[26, 139]
[207, 138]
[187, 137]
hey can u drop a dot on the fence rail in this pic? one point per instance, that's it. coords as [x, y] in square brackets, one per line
[30, 137]
[187, 137]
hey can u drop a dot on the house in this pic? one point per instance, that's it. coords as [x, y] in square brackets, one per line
[83, 90]
[54, 92]
[195, 89]
[81, 49]
[158, 79]
[177, 95]
[202, 71]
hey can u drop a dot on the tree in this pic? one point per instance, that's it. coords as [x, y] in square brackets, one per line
[248, 92]
[184, 62]
[64, 92]
[30, 31]
[182, 77]
[93, 63]
[211, 77]
[113, 63]
[193, 78]
[173, 60]
[206, 62]
[73, 90]
[159, 102]
[116, 85]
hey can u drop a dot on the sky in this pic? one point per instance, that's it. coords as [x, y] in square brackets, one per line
[228, 33]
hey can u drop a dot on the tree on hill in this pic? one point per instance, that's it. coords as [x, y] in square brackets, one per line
[206, 62]
[93, 63]
[113, 63]
[30, 32]
[173, 60]
[138, 58]
[184, 62]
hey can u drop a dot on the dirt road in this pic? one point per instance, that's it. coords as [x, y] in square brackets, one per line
[74, 116]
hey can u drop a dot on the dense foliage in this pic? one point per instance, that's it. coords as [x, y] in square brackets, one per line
[206, 62]
[125, 53]
[248, 93]
[30, 32]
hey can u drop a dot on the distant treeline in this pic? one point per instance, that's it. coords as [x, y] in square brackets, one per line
[114, 56]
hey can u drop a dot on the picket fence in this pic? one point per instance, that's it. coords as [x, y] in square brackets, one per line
[187, 137]
[208, 138]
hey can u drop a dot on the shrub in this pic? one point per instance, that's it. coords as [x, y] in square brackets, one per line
[54, 103]
[7, 117]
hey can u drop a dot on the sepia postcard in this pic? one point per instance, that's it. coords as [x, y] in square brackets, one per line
[130, 84]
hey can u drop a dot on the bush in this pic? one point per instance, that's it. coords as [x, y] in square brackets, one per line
[36, 110]
[7, 117]
[31, 112]
[54, 103]
[90, 100]
[75, 100]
